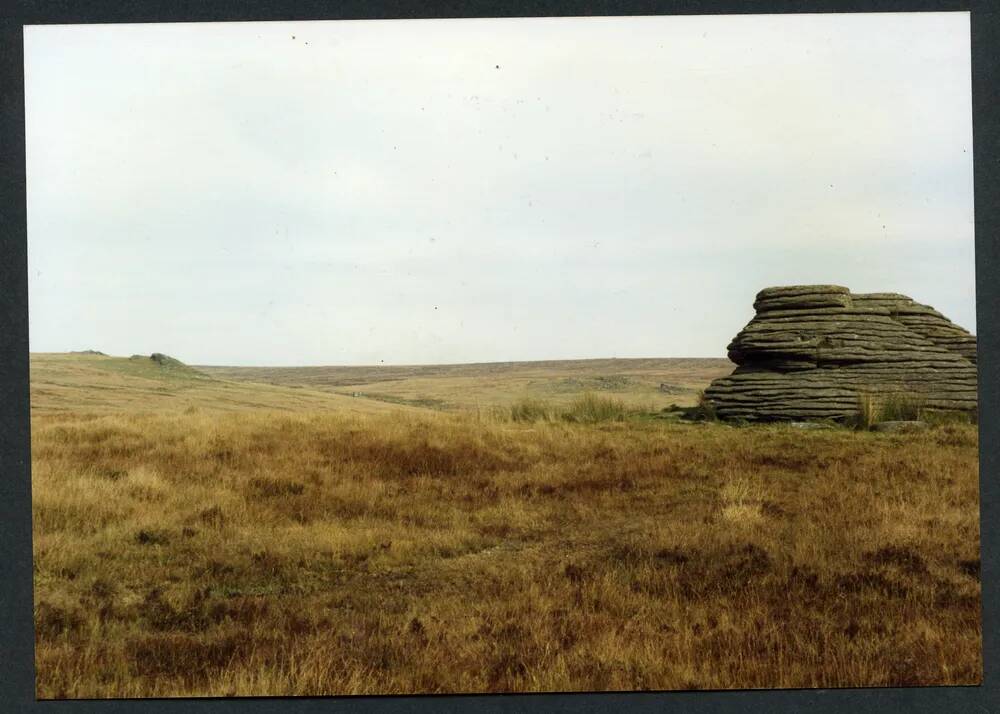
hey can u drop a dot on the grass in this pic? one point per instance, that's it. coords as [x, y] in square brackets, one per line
[588, 408]
[591, 409]
[428, 402]
[307, 551]
[321, 554]
[528, 410]
[99, 384]
[470, 386]
[874, 408]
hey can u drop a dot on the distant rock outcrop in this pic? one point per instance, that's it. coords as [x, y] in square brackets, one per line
[160, 359]
[812, 350]
[163, 359]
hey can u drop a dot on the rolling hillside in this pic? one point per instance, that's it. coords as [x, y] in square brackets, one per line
[90, 382]
[656, 382]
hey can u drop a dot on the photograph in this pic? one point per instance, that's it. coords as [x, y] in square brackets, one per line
[502, 355]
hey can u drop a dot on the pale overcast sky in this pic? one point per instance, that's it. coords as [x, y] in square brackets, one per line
[485, 190]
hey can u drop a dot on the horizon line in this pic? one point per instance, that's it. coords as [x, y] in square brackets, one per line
[386, 364]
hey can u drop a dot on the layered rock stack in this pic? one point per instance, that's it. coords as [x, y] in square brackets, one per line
[814, 351]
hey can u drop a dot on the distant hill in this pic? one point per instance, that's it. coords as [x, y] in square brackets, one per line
[655, 381]
[94, 382]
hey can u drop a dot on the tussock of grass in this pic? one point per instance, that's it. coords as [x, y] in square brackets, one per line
[530, 410]
[589, 408]
[741, 501]
[901, 407]
[876, 407]
[274, 553]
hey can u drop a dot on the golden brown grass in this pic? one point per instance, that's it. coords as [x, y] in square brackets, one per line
[275, 553]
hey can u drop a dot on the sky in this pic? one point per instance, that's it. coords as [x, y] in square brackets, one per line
[447, 191]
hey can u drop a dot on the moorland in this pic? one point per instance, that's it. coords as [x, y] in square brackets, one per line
[482, 528]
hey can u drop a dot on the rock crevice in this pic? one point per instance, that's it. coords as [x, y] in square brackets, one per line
[812, 351]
